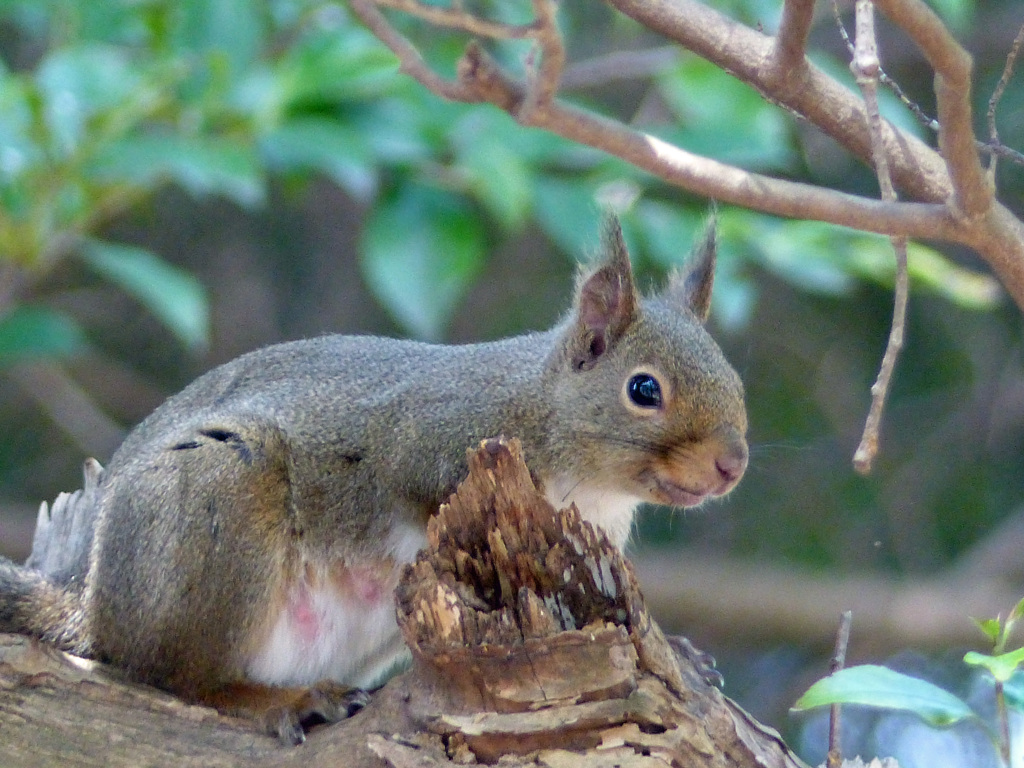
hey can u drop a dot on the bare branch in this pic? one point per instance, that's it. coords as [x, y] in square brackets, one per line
[791, 40]
[838, 662]
[866, 67]
[69, 406]
[410, 60]
[997, 95]
[993, 148]
[480, 79]
[544, 75]
[453, 18]
[918, 172]
[1001, 150]
[915, 109]
[953, 68]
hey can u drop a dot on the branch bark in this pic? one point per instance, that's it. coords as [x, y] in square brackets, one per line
[953, 200]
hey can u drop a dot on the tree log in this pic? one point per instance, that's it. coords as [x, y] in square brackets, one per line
[531, 646]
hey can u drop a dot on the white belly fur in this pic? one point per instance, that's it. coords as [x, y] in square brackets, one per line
[345, 635]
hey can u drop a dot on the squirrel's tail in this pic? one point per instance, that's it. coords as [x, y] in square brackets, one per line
[43, 598]
[30, 604]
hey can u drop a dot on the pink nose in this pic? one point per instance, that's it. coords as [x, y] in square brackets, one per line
[732, 463]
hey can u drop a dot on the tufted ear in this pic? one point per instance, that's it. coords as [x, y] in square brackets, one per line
[606, 300]
[691, 286]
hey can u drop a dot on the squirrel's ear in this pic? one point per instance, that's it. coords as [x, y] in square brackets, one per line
[606, 300]
[692, 286]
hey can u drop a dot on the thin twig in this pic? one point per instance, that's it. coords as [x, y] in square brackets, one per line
[997, 95]
[865, 66]
[915, 109]
[993, 148]
[410, 60]
[453, 18]
[1004, 723]
[1003, 151]
[547, 60]
[838, 662]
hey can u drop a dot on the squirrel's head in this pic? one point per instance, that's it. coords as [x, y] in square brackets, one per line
[650, 405]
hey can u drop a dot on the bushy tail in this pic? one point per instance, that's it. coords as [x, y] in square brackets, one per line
[43, 597]
[30, 604]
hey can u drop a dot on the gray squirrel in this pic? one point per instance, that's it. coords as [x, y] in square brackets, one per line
[242, 545]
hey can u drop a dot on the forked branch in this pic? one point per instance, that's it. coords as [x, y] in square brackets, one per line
[945, 196]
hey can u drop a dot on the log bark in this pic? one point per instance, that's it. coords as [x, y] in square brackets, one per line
[531, 646]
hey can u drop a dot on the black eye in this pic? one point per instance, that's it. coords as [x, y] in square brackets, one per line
[644, 390]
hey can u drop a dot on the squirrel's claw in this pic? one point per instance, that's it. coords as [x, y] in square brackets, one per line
[325, 702]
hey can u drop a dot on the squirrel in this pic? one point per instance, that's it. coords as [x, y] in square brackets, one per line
[244, 541]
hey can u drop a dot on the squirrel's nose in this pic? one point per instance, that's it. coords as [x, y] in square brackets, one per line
[732, 463]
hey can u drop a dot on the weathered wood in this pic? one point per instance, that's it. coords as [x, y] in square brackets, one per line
[531, 645]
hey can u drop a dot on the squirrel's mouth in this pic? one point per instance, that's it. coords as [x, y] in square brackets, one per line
[667, 492]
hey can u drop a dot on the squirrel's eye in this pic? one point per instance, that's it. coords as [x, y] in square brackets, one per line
[644, 390]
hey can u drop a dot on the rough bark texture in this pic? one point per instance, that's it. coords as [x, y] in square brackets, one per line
[531, 646]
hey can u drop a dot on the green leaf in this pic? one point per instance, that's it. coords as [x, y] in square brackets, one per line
[721, 117]
[18, 150]
[991, 627]
[77, 84]
[500, 179]
[202, 165]
[31, 332]
[804, 253]
[231, 29]
[965, 288]
[327, 146]
[876, 686]
[421, 250]
[346, 63]
[827, 259]
[174, 296]
[1001, 667]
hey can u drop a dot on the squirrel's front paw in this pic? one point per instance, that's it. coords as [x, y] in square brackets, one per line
[325, 702]
[702, 661]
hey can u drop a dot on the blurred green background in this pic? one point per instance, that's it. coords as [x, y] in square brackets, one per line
[181, 182]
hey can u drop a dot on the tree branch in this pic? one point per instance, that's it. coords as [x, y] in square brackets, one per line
[919, 173]
[866, 67]
[955, 203]
[993, 102]
[481, 80]
[791, 39]
[953, 66]
[454, 18]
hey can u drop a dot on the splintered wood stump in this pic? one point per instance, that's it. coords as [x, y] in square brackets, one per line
[532, 644]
